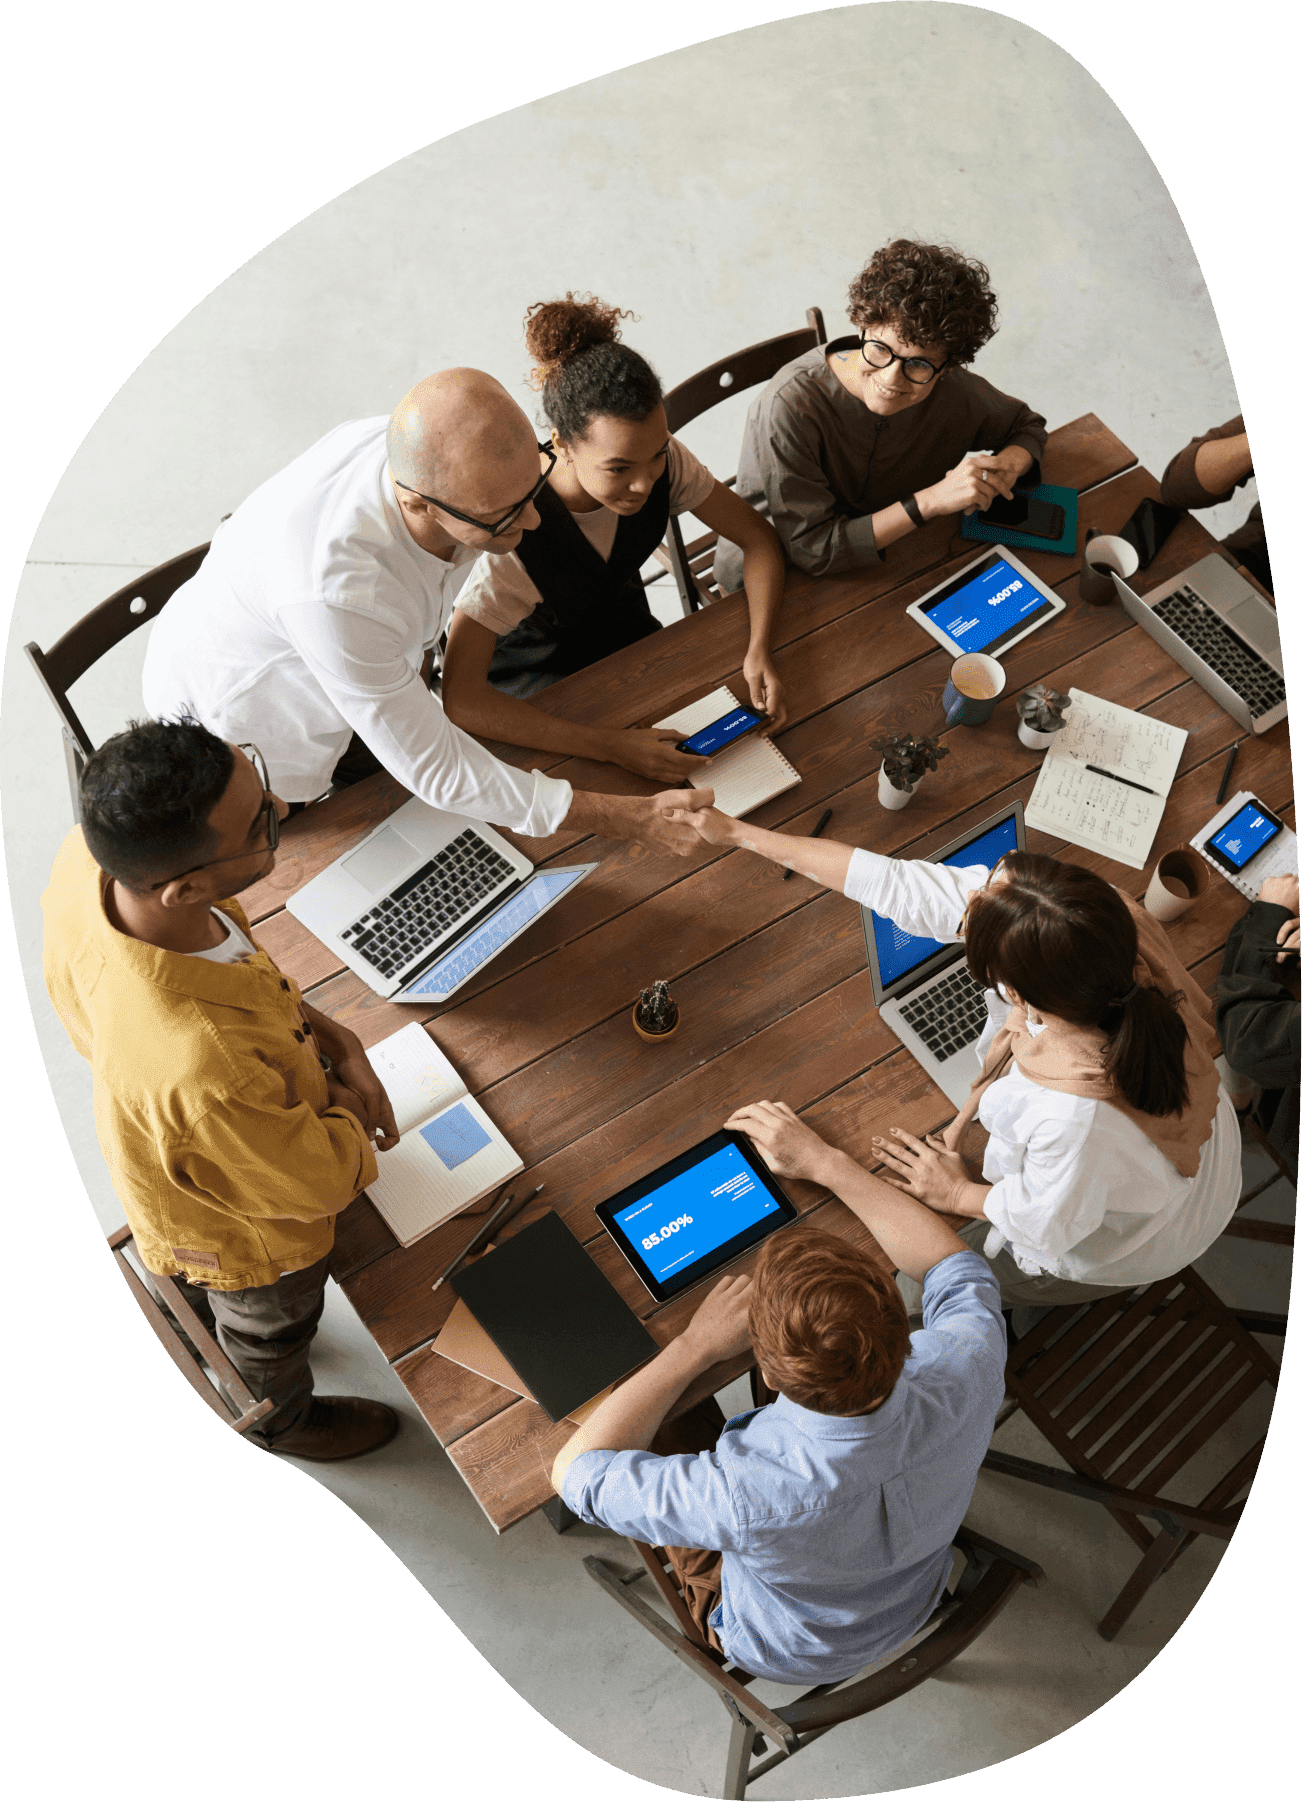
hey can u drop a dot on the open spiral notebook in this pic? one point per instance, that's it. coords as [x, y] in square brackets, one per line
[450, 1153]
[743, 776]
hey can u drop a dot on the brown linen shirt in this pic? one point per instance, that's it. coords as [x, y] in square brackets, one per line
[819, 463]
[1181, 488]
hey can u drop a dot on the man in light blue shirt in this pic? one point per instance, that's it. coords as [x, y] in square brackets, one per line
[831, 1511]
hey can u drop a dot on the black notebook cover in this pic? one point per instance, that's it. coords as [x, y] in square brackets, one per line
[561, 1325]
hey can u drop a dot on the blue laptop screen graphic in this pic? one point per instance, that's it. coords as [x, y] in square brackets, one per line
[994, 602]
[487, 940]
[897, 951]
[455, 1136]
[696, 1212]
[1244, 835]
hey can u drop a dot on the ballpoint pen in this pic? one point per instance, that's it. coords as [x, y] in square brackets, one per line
[1095, 770]
[1225, 773]
[496, 1220]
[816, 833]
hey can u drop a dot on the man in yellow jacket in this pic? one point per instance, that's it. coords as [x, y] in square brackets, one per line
[230, 1144]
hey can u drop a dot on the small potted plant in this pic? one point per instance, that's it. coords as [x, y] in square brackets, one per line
[1040, 710]
[906, 758]
[655, 1014]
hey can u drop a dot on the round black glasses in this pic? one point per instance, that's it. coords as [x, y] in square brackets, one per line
[916, 369]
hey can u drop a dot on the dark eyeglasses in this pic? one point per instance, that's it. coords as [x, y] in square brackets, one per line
[508, 520]
[267, 814]
[916, 369]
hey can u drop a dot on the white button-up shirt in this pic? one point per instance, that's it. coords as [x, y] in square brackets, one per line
[308, 621]
[1079, 1191]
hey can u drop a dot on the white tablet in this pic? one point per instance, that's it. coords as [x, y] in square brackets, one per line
[992, 603]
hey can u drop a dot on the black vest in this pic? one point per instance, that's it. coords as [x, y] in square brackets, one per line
[590, 606]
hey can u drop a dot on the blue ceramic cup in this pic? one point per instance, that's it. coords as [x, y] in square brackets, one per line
[975, 685]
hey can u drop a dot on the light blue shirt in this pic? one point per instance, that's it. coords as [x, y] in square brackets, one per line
[835, 1531]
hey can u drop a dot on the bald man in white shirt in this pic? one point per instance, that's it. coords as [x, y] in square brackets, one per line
[311, 616]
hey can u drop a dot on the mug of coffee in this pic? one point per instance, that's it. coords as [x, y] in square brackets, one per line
[1103, 556]
[975, 684]
[1180, 878]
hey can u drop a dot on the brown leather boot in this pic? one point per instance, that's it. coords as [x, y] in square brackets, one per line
[338, 1426]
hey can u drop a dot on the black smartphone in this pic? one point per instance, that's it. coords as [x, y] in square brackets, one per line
[1148, 529]
[1038, 519]
[726, 730]
[1241, 838]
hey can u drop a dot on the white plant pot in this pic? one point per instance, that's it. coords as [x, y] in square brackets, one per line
[889, 795]
[1033, 740]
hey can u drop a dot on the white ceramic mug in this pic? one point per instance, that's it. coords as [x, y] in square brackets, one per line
[1104, 555]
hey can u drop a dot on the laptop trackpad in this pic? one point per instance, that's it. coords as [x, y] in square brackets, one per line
[1255, 619]
[382, 861]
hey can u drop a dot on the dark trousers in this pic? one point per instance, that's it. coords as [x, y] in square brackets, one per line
[700, 1573]
[266, 1333]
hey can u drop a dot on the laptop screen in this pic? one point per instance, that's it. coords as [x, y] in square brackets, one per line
[899, 952]
[981, 611]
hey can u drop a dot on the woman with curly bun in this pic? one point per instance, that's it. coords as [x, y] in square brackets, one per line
[570, 592]
[1112, 1156]
[860, 441]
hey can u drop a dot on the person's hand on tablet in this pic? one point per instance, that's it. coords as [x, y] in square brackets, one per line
[787, 1145]
[720, 1327]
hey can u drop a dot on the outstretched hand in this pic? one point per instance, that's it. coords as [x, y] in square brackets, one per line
[787, 1145]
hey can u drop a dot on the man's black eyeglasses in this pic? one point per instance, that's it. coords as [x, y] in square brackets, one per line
[508, 520]
[266, 814]
[916, 369]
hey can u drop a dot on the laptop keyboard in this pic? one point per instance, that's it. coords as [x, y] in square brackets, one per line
[424, 908]
[1257, 685]
[949, 1015]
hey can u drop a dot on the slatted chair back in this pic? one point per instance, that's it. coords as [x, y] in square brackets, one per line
[693, 564]
[1129, 1391]
[990, 1578]
[82, 645]
[232, 1400]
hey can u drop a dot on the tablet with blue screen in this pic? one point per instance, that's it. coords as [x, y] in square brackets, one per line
[990, 605]
[696, 1213]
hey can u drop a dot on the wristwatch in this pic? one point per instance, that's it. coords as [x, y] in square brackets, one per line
[911, 507]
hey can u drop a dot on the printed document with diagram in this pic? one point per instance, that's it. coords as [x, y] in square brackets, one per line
[450, 1154]
[1104, 781]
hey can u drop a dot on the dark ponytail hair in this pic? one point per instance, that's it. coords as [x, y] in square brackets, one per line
[1064, 939]
[580, 367]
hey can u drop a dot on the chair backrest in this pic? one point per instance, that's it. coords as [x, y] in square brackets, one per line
[733, 375]
[232, 1400]
[84, 644]
[991, 1576]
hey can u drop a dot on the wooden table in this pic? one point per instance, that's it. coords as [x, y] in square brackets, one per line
[770, 976]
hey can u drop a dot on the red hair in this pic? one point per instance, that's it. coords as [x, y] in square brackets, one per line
[829, 1327]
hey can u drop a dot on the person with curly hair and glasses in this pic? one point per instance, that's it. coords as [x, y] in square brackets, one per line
[858, 442]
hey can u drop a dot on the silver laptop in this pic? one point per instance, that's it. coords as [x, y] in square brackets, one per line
[922, 988]
[423, 903]
[1217, 626]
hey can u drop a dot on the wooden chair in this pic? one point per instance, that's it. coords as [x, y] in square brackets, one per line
[692, 564]
[232, 1400]
[990, 1577]
[1127, 1391]
[91, 638]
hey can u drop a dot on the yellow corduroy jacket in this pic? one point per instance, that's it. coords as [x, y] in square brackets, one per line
[209, 1094]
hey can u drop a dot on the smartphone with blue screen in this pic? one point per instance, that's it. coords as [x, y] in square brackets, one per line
[1241, 839]
[724, 731]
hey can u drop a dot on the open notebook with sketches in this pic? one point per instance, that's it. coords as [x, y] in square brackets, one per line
[1104, 781]
[743, 776]
[450, 1154]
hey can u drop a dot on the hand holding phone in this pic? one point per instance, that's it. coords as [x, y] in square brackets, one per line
[1038, 519]
[724, 731]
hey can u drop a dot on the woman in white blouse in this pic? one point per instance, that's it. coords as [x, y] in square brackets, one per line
[1113, 1152]
[570, 592]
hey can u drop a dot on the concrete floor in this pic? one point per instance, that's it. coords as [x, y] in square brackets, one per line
[660, 196]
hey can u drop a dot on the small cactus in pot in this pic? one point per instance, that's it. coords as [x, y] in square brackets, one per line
[906, 758]
[1040, 710]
